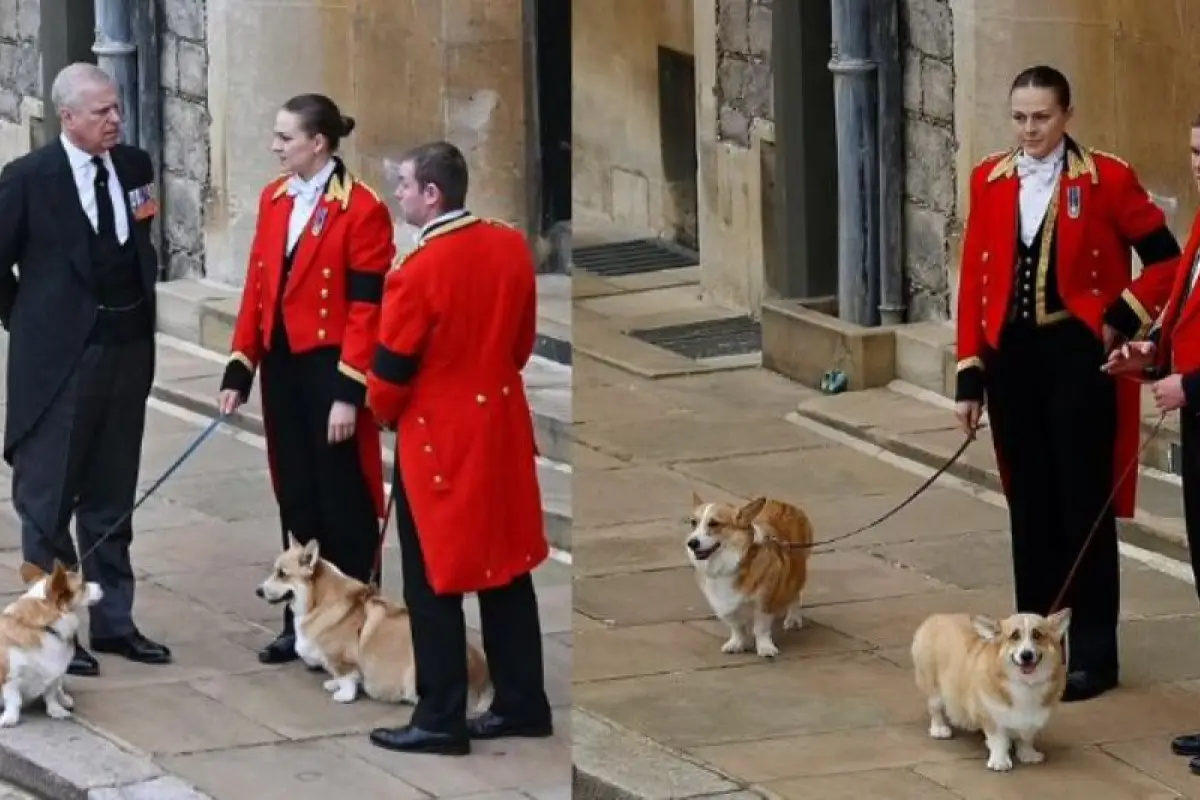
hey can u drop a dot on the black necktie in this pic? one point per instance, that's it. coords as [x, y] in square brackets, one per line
[107, 225]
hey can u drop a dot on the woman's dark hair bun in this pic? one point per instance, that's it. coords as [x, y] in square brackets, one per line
[347, 125]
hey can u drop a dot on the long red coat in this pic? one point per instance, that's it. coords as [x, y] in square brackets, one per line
[458, 326]
[1105, 213]
[1179, 336]
[332, 297]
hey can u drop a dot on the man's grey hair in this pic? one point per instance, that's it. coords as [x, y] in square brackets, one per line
[72, 80]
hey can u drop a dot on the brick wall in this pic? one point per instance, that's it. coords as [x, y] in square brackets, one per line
[185, 176]
[20, 56]
[745, 79]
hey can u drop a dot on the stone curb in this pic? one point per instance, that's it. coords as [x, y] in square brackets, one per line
[558, 520]
[1146, 531]
[610, 762]
[67, 760]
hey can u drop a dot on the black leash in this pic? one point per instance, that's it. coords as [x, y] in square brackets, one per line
[154, 487]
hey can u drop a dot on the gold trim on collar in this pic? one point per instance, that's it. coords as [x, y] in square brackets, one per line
[1005, 167]
[450, 227]
[1079, 163]
[339, 188]
[281, 189]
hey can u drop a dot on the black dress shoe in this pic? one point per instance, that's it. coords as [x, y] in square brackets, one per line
[134, 647]
[1086, 684]
[83, 664]
[280, 651]
[414, 740]
[1194, 765]
[1186, 745]
[493, 726]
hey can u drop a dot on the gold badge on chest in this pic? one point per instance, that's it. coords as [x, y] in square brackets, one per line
[1074, 202]
[318, 224]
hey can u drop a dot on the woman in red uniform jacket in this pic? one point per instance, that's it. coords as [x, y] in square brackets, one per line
[1046, 292]
[308, 320]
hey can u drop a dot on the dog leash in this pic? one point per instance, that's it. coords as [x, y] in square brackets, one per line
[376, 578]
[154, 487]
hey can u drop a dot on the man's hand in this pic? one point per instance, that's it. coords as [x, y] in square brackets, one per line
[1110, 336]
[1129, 358]
[1168, 393]
[342, 417]
[969, 413]
[229, 401]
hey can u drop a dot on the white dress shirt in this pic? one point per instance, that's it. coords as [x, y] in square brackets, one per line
[1038, 178]
[306, 194]
[84, 172]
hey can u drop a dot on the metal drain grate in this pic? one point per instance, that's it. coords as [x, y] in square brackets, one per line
[732, 336]
[632, 258]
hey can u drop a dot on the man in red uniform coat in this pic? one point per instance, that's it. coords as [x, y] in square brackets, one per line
[457, 327]
[1171, 358]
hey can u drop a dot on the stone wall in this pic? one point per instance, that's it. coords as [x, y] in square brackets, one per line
[931, 225]
[20, 56]
[745, 78]
[186, 176]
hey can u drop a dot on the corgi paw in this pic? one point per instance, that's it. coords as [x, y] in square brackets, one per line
[766, 648]
[1026, 754]
[332, 685]
[345, 695]
[736, 644]
[940, 730]
[793, 623]
[65, 700]
[8, 720]
[999, 762]
[56, 711]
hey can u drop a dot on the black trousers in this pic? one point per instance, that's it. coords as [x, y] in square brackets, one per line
[512, 640]
[1189, 439]
[83, 458]
[322, 491]
[1054, 420]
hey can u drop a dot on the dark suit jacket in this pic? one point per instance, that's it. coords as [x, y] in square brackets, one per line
[48, 304]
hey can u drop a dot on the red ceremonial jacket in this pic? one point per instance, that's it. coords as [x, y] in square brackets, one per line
[458, 326]
[1178, 337]
[332, 295]
[1105, 214]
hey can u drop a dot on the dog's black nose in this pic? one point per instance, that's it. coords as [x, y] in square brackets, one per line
[260, 592]
[693, 544]
[1027, 656]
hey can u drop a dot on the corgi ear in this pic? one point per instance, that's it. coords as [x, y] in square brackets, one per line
[1059, 622]
[748, 512]
[31, 573]
[292, 540]
[697, 500]
[987, 628]
[311, 553]
[58, 586]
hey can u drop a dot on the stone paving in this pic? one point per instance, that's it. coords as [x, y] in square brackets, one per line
[660, 711]
[217, 719]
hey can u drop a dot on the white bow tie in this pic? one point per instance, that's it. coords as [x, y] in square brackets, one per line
[305, 190]
[1028, 166]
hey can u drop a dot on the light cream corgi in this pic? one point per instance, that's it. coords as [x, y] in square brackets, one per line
[37, 640]
[355, 633]
[1002, 678]
[749, 574]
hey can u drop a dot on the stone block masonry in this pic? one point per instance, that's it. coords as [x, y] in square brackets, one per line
[745, 77]
[20, 55]
[186, 178]
[931, 224]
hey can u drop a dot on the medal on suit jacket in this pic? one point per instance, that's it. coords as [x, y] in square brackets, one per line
[1074, 202]
[142, 202]
[319, 220]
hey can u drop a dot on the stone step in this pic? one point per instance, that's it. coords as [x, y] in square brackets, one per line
[188, 374]
[919, 425]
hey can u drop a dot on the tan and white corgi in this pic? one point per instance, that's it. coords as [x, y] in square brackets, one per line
[1003, 678]
[359, 636]
[752, 565]
[37, 640]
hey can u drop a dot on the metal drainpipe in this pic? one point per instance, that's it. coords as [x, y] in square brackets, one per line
[885, 34]
[856, 114]
[117, 55]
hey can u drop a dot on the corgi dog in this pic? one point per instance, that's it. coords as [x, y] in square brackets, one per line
[749, 574]
[37, 640]
[1003, 678]
[349, 629]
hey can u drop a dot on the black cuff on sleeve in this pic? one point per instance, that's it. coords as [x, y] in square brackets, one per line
[970, 385]
[1121, 316]
[348, 390]
[1156, 247]
[1191, 390]
[238, 377]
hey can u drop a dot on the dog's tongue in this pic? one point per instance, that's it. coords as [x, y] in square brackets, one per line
[1028, 669]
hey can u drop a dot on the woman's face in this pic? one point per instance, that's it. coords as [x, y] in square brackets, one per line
[297, 152]
[1039, 122]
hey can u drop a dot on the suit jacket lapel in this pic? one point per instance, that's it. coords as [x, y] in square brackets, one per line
[1074, 204]
[1183, 302]
[61, 181]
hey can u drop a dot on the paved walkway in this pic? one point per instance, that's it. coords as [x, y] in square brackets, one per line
[217, 719]
[660, 711]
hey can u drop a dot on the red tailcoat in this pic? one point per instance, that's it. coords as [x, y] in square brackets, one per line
[1179, 337]
[332, 297]
[1104, 214]
[459, 319]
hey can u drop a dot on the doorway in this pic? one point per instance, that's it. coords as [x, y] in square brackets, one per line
[552, 64]
[677, 140]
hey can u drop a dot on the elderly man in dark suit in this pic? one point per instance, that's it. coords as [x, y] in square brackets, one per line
[77, 274]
